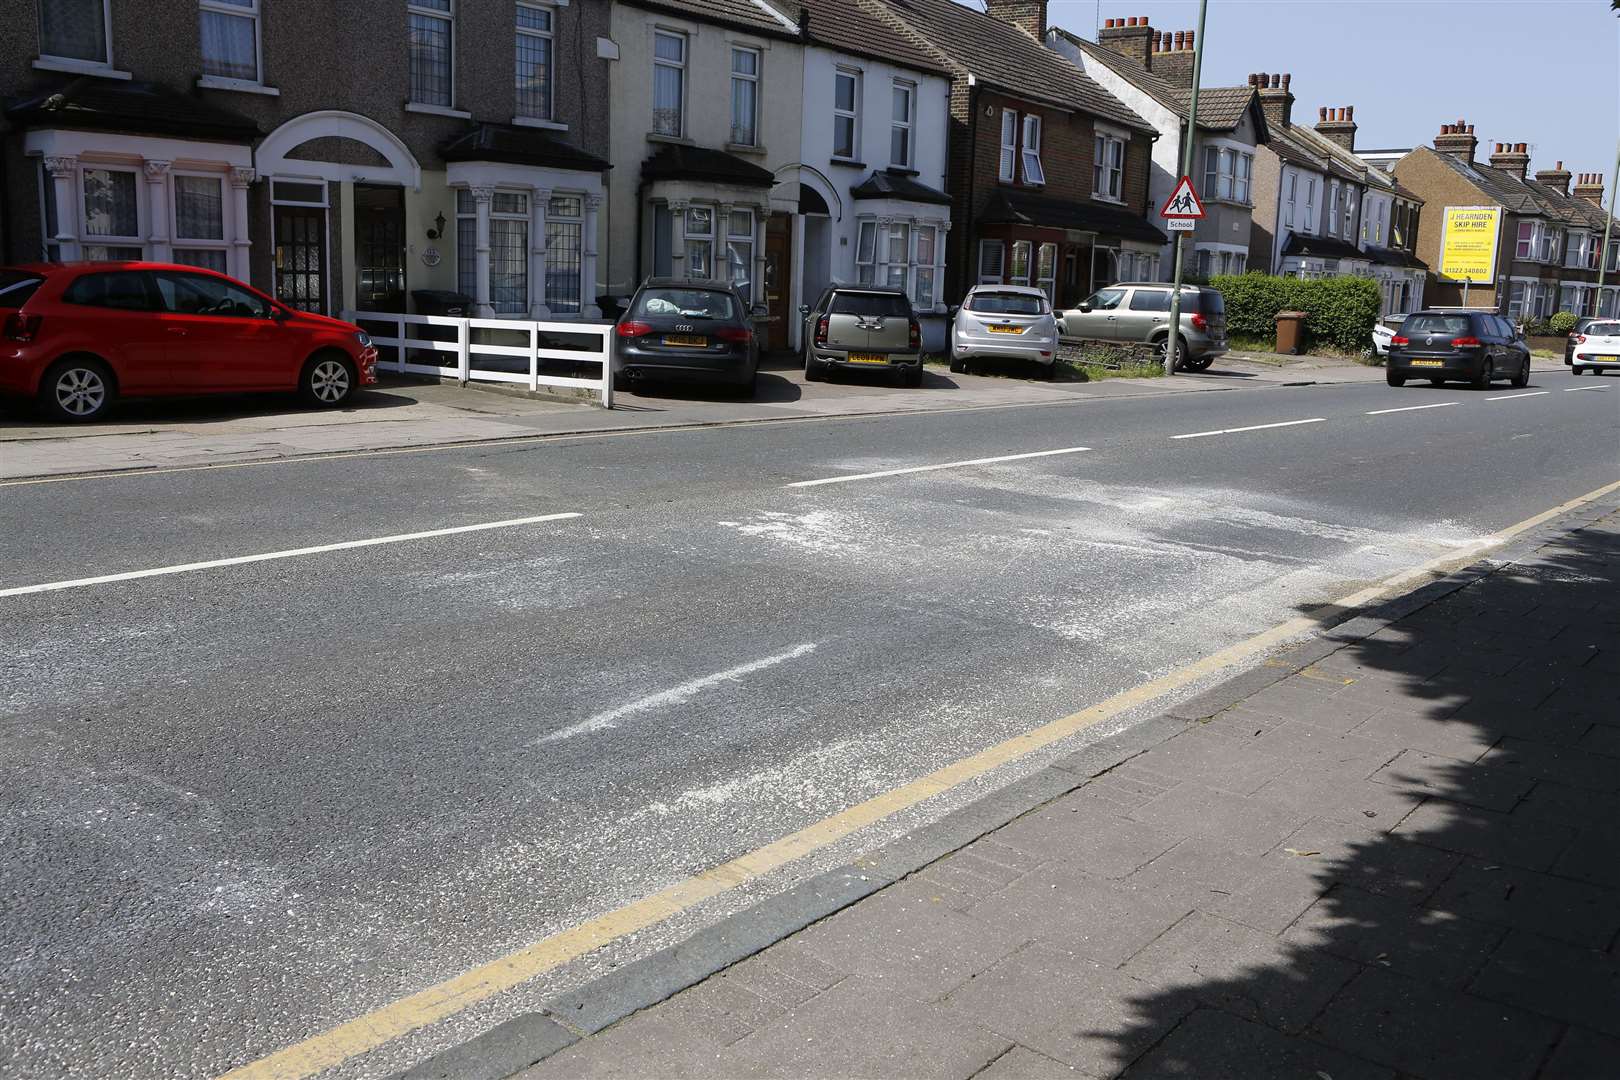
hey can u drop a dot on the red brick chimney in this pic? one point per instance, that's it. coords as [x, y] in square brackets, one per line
[1511, 158]
[1556, 178]
[1457, 140]
[1276, 100]
[1172, 58]
[1131, 37]
[1338, 125]
[1027, 15]
[1589, 186]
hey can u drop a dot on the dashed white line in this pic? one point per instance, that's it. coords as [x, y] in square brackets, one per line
[1413, 408]
[1594, 389]
[934, 468]
[1256, 427]
[673, 696]
[1515, 397]
[267, 556]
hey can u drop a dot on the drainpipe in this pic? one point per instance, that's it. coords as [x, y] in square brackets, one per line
[970, 257]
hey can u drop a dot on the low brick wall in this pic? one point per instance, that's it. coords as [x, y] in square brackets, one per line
[1107, 354]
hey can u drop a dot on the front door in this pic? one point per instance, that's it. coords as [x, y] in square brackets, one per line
[301, 257]
[379, 248]
[778, 261]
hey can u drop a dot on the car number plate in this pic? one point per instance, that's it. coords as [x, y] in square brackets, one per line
[1006, 330]
[1428, 363]
[867, 358]
[686, 339]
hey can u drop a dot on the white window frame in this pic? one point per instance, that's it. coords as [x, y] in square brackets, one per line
[752, 80]
[1107, 178]
[1288, 203]
[75, 63]
[902, 231]
[1611, 258]
[852, 114]
[1007, 162]
[191, 243]
[866, 251]
[751, 239]
[1549, 246]
[1046, 277]
[705, 239]
[1000, 248]
[1227, 173]
[1013, 277]
[907, 126]
[448, 17]
[1308, 224]
[250, 10]
[680, 68]
[1029, 153]
[548, 35]
[1349, 224]
[87, 239]
[1332, 208]
[555, 216]
[934, 268]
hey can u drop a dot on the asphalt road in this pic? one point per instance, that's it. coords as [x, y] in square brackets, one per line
[245, 802]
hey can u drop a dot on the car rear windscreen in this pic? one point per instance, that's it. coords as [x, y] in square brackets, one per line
[685, 304]
[16, 286]
[1603, 329]
[1007, 303]
[1448, 325]
[862, 303]
[1209, 302]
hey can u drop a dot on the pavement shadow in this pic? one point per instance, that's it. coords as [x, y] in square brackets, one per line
[205, 409]
[770, 388]
[1479, 934]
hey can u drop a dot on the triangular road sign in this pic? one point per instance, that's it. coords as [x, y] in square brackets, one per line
[1183, 202]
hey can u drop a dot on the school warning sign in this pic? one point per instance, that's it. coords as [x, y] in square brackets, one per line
[1468, 244]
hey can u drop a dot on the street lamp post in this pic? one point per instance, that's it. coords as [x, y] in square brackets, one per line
[1172, 346]
[1608, 225]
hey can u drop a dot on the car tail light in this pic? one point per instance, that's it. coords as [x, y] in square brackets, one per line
[916, 335]
[1465, 343]
[735, 333]
[1398, 340]
[1199, 322]
[21, 328]
[1580, 339]
[821, 331]
[634, 329]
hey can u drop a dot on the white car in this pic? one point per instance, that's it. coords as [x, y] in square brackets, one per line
[1597, 348]
[1004, 321]
[1383, 330]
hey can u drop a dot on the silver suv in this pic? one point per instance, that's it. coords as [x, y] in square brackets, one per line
[862, 327]
[1133, 311]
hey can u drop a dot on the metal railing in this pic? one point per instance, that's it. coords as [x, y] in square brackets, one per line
[531, 354]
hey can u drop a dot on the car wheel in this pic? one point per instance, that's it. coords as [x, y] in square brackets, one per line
[814, 372]
[958, 367]
[1200, 364]
[328, 381]
[1162, 346]
[1487, 373]
[77, 389]
[1522, 379]
[1575, 370]
[1393, 379]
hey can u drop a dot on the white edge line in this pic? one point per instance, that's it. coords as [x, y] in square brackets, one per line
[1598, 389]
[1413, 408]
[1510, 397]
[239, 560]
[1255, 427]
[934, 468]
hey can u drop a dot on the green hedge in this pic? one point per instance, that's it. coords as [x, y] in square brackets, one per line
[1339, 311]
[1561, 323]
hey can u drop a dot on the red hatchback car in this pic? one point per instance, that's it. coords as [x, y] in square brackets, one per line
[75, 336]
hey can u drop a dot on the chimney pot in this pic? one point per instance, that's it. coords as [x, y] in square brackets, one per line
[1274, 82]
[1135, 21]
[1190, 35]
[1108, 24]
[1321, 115]
[1470, 129]
[1349, 112]
[1558, 167]
[1522, 148]
[1285, 81]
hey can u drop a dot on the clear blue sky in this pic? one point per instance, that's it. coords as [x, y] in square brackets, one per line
[1542, 72]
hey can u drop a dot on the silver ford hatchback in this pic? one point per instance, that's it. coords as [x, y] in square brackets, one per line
[1012, 322]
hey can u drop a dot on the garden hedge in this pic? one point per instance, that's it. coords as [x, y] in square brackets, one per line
[1339, 311]
[1561, 323]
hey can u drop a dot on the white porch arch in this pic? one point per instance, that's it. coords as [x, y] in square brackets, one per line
[817, 181]
[271, 156]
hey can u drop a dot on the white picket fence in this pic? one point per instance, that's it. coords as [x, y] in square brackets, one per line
[493, 350]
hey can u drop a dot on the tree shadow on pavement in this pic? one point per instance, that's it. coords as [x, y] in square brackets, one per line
[1461, 770]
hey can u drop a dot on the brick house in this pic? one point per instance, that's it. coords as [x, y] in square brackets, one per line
[1547, 252]
[1151, 72]
[336, 156]
[1048, 172]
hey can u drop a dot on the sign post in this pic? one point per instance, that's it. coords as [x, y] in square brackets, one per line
[1180, 223]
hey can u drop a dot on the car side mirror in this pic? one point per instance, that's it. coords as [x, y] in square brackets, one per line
[279, 313]
[804, 309]
[953, 309]
[1085, 308]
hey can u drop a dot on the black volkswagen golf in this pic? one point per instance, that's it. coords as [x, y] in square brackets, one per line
[675, 328]
[1476, 347]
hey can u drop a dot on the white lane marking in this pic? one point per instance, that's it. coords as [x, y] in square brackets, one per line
[291, 553]
[673, 696]
[1256, 427]
[1597, 389]
[1515, 397]
[934, 468]
[1413, 408]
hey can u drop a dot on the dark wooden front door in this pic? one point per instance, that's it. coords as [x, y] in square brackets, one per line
[778, 291]
[379, 248]
[301, 257]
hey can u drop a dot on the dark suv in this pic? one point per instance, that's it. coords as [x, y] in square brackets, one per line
[1476, 347]
[863, 327]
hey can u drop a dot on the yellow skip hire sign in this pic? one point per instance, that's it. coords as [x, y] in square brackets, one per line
[1468, 244]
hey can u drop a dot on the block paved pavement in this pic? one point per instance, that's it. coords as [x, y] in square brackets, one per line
[1399, 862]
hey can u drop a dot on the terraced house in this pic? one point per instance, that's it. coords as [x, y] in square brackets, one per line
[1151, 71]
[1547, 253]
[338, 156]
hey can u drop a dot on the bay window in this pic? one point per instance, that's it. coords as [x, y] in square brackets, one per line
[1226, 174]
[75, 30]
[565, 233]
[112, 219]
[1007, 166]
[1033, 172]
[846, 114]
[1108, 167]
[199, 221]
[1576, 250]
[669, 84]
[230, 39]
[740, 252]
[900, 120]
[992, 254]
[430, 38]
[745, 97]
[533, 72]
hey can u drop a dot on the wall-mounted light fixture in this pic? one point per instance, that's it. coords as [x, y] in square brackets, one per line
[438, 230]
